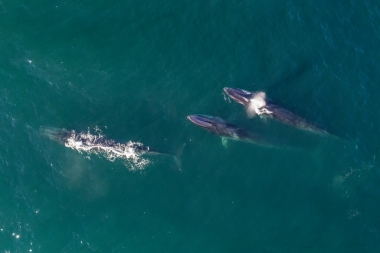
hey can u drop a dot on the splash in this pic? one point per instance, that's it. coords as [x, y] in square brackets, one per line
[130, 153]
[257, 105]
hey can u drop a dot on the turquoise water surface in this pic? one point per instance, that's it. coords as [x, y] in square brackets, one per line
[135, 70]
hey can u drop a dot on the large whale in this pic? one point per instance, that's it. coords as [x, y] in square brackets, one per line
[257, 103]
[228, 130]
[101, 145]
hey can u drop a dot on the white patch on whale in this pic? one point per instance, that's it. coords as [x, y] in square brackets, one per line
[256, 105]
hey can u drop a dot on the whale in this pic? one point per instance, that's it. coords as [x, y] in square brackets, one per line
[101, 145]
[257, 103]
[228, 130]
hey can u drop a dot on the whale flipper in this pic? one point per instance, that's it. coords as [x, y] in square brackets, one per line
[177, 156]
[225, 142]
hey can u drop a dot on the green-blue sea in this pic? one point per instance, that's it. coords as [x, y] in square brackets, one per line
[134, 70]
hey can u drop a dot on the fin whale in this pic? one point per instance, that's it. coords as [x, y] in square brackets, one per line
[258, 103]
[228, 130]
[101, 145]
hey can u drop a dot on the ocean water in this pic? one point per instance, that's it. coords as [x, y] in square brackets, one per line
[133, 70]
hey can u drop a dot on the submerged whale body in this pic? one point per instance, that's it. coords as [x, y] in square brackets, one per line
[86, 141]
[225, 129]
[101, 145]
[257, 103]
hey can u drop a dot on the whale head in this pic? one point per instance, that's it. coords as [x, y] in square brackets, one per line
[56, 134]
[253, 101]
[241, 96]
[205, 121]
[212, 124]
[220, 127]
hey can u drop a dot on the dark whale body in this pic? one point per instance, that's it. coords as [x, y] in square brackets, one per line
[257, 103]
[225, 129]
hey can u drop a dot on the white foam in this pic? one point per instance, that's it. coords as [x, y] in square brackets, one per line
[256, 104]
[111, 150]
